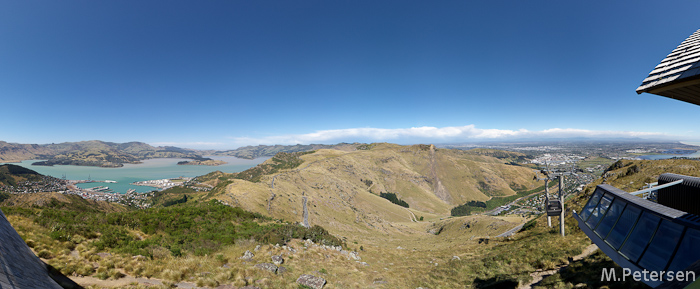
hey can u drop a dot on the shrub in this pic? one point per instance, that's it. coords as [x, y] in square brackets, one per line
[45, 254]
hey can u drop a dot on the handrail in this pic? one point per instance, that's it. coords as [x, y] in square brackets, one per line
[657, 187]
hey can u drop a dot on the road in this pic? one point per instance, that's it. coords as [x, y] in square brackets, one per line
[511, 231]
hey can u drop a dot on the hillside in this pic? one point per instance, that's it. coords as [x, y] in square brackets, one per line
[11, 175]
[53, 200]
[109, 154]
[252, 152]
[341, 188]
[13, 152]
[633, 175]
[91, 153]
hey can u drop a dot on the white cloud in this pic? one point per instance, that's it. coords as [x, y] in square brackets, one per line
[437, 135]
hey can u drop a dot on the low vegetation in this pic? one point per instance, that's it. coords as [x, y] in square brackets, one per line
[280, 161]
[199, 229]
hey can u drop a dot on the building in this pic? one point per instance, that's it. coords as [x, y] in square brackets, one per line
[659, 239]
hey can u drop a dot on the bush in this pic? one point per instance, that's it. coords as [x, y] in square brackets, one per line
[45, 254]
[529, 225]
[189, 228]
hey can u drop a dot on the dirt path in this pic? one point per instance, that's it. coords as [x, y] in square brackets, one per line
[413, 216]
[121, 282]
[539, 275]
[127, 280]
[512, 231]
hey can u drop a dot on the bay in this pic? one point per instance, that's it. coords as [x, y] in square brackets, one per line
[152, 169]
[669, 156]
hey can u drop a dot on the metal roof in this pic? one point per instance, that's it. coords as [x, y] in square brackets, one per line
[638, 234]
[678, 75]
[19, 267]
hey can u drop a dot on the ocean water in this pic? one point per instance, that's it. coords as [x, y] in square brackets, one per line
[152, 169]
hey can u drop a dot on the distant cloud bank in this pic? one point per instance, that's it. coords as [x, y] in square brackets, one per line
[437, 135]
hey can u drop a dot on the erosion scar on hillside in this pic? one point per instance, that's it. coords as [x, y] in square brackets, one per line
[306, 213]
[440, 190]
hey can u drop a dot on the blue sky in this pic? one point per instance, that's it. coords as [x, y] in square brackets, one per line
[223, 74]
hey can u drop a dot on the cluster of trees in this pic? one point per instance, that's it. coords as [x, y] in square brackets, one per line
[394, 199]
[467, 208]
[175, 201]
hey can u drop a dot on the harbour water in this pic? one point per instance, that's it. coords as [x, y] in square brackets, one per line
[669, 156]
[152, 169]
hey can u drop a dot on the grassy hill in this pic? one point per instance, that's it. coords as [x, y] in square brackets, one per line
[91, 153]
[343, 188]
[11, 175]
[251, 152]
[53, 200]
[632, 175]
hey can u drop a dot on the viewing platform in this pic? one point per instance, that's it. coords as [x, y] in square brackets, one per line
[642, 235]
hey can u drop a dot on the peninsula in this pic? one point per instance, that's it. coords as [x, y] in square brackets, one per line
[202, 163]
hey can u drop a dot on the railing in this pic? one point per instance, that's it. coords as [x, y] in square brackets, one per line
[651, 192]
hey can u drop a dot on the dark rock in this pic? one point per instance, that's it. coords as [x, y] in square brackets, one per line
[311, 281]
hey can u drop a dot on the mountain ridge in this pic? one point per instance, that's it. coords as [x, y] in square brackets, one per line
[109, 154]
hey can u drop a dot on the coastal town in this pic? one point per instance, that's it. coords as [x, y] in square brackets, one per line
[97, 193]
[164, 183]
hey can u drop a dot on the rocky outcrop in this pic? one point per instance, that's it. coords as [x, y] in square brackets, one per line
[247, 256]
[277, 259]
[267, 267]
[311, 281]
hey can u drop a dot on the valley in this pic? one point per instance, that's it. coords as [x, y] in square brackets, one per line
[360, 239]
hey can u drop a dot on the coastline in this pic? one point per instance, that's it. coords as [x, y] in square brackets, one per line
[211, 163]
[151, 169]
